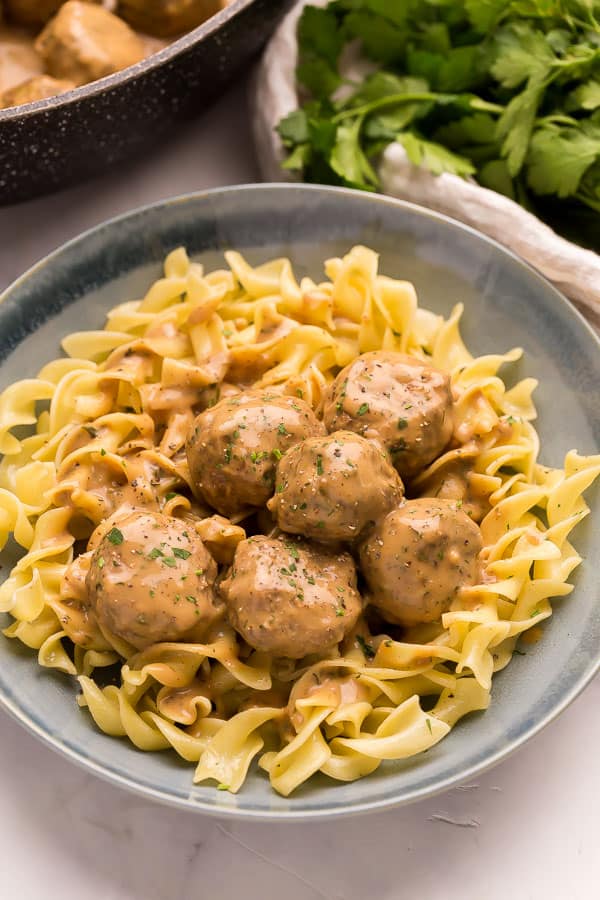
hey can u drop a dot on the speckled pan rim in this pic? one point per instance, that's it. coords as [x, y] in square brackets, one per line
[148, 64]
[112, 775]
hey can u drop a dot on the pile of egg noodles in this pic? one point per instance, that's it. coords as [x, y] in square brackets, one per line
[101, 413]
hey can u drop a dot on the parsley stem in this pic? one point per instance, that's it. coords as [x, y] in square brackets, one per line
[383, 102]
[395, 99]
[556, 120]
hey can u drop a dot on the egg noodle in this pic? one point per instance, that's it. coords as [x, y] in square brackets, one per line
[118, 408]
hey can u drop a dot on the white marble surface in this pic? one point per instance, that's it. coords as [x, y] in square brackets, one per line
[528, 829]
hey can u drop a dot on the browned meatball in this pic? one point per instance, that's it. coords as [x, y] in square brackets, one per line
[331, 488]
[233, 447]
[418, 558]
[164, 18]
[84, 42]
[37, 88]
[290, 598]
[403, 402]
[152, 579]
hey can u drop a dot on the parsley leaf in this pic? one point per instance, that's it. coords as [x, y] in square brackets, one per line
[348, 159]
[586, 96]
[366, 648]
[516, 123]
[294, 128]
[434, 157]
[115, 536]
[484, 14]
[558, 159]
[522, 53]
[179, 552]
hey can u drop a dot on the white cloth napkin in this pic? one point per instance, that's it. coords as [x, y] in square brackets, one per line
[575, 271]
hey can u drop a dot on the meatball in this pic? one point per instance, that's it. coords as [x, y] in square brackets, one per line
[403, 402]
[331, 488]
[84, 42]
[418, 558]
[290, 598]
[37, 88]
[164, 18]
[233, 447]
[152, 579]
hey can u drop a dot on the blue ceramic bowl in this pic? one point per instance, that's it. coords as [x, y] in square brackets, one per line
[506, 304]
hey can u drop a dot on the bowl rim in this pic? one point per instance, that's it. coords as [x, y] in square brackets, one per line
[416, 794]
[123, 76]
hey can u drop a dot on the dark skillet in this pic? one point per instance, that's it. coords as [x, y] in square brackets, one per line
[53, 143]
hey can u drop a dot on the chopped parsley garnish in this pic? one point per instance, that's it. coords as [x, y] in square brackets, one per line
[282, 429]
[280, 488]
[115, 536]
[155, 553]
[191, 599]
[340, 611]
[277, 453]
[293, 552]
[428, 722]
[179, 552]
[102, 451]
[227, 453]
[170, 496]
[101, 562]
[169, 561]
[319, 464]
[362, 409]
[300, 393]
[402, 424]
[199, 572]
[366, 648]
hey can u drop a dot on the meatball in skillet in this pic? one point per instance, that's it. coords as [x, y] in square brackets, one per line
[233, 447]
[332, 488]
[401, 401]
[84, 42]
[164, 18]
[152, 579]
[291, 598]
[418, 558]
[37, 88]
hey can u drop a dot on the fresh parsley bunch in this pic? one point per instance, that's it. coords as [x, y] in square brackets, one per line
[505, 91]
